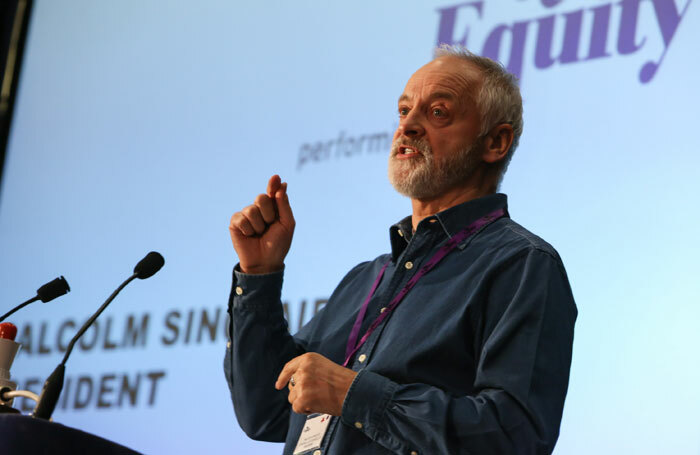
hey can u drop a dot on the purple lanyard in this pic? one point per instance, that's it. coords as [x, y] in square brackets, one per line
[353, 345]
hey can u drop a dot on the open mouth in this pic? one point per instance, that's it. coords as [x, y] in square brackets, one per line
[407, 151]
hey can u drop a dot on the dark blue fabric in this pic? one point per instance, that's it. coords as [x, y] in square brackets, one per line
[475, 360]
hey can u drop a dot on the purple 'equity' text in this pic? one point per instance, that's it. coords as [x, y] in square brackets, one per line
[578, 43]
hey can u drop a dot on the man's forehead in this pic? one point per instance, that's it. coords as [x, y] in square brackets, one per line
[433, 94]
[447, 77]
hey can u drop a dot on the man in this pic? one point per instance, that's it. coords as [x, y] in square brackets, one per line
[459, 341]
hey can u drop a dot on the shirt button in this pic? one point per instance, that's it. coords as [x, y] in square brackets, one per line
[413, 452]
[408, 265]
[362, 358]
[317, 452]
[358, 425]
[228, 345]
[239, 290]
[382, 310]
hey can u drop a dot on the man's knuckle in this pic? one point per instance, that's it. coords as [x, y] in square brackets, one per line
[314, 361]
[239, 221]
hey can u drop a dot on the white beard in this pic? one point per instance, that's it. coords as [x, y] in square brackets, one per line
[423, 177]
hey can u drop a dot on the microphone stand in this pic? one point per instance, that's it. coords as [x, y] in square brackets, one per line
[54, 383]
[19, 307]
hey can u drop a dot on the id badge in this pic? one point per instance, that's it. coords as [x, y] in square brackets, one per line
[312, 433]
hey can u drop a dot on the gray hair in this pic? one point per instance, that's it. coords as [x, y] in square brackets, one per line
[499, 100]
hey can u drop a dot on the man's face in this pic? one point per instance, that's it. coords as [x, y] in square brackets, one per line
[435, 147]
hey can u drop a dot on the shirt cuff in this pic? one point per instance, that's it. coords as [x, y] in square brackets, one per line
[255, 292]
[366, 401]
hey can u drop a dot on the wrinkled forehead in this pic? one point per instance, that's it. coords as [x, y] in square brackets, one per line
[445, 77]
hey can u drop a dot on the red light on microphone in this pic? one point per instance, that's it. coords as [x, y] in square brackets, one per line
[8, 331]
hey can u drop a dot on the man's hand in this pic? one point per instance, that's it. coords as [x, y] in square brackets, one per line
[320, 385]
[262, 232]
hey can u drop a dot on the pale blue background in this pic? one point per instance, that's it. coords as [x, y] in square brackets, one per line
[144, 125]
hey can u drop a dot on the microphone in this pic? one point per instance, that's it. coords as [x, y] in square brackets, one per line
[146, 268]
[46, 293]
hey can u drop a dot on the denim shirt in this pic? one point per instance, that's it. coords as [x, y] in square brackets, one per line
[474, 360]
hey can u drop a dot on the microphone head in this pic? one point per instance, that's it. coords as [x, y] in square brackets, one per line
[53, 289]
[148, 266]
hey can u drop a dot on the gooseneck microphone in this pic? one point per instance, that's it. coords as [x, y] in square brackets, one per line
[146, 268]
[46, 293]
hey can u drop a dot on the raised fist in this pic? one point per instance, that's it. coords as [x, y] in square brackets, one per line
[262, 232]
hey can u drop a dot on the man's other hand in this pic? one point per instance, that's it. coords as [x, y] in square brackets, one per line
[262, 232]
[320, 385]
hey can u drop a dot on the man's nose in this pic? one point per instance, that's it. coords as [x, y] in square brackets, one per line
[411, 125]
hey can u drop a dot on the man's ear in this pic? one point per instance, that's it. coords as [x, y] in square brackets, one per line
[497, 143]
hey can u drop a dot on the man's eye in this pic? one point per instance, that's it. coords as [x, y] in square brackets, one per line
[403, 111]
[437, 112]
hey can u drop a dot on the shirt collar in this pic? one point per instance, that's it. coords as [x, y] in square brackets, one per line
[451, 220]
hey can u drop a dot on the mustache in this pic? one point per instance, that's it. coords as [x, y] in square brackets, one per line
[420, 145]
